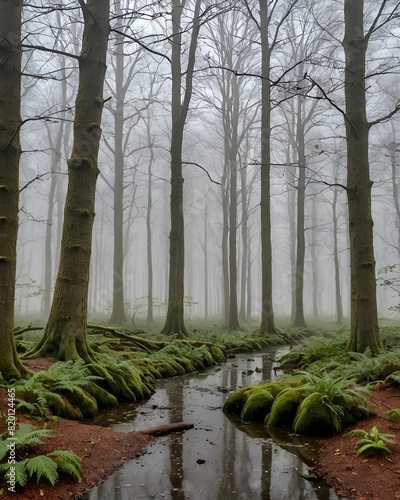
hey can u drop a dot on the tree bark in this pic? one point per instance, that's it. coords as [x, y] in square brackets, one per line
[65, 333]
[118, 315]
[232, 153]
[267, 312]
[338, 293]
[174, 323]
[10, 152]
[364, 317]
[299, 320]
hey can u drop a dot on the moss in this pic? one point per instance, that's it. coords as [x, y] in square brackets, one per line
[166, 369]
[186, 363]
[84, 401]
[104, 398]
[284, 408]
[314, 418]
[236, 401]
[218, 355]
[292, 357]
[273, 388]
[258, 404]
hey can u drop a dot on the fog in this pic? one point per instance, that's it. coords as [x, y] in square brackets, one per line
[224, 114]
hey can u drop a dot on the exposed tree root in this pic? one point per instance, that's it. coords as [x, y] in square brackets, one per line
[146, 345]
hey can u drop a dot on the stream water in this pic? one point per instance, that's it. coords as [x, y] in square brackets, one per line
[221, 458]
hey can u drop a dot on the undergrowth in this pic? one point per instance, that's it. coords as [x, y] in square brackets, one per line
[18, 463]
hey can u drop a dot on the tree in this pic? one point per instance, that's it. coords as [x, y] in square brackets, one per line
[364, 316]
[266, 14]
[65, 333]
[10, 152]
[174, 323]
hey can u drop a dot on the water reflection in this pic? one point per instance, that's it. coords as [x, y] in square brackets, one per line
[221, 457]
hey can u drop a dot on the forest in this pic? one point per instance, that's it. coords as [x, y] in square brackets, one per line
[184, 180]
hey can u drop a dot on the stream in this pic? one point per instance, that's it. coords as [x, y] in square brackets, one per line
[222, 457]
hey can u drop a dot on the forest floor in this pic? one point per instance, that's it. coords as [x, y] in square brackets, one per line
[368, 478]
[103, 450]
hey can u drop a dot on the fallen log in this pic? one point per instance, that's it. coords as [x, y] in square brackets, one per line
[164, 429]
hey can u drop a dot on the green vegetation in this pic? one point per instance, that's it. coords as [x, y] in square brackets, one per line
[127, 366]
[17, 465]
[372, 442]
[321, 392]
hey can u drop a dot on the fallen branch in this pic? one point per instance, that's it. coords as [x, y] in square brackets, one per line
[146, 345]
[162, 430]
[20, 331]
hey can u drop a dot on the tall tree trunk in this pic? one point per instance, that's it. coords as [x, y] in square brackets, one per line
[174, 323]
[245, 245]
[393, 148]
[314, 260]
[65, 333]
[233, 323]
[10, 152]
[249, 282]
[118, 312]
[299, 320]
[267, 312]
[364, 316]
[55, 169]
[149, 240]
[338, 293]
[205, 254]
[224, 242]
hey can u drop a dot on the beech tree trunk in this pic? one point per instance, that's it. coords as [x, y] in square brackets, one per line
[364, 316]
[299, 320]
[118, 315]
[267, 312]
[10, 152]
[338, 293]
[174, 323]
[65, 333]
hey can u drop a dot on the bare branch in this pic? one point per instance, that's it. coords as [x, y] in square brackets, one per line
[204, 170]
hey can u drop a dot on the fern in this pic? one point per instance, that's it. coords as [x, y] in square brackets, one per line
[21, 475]
[42, 466]
[68, 463]
[44, 387]
[372, 442]
[26, 436]
[47, 467]
[393, 414]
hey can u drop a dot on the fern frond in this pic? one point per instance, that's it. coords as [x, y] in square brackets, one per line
[356, 433]
[393, 414]
[375, 447]
[68, 463]
[27, 435]
[42, 466]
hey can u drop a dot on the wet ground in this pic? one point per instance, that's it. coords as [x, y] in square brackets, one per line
[221, 458]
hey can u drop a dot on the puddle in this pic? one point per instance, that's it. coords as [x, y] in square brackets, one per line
[221, 458]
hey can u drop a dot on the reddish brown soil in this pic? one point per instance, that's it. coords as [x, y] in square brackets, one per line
[103, 450]
[376, 478]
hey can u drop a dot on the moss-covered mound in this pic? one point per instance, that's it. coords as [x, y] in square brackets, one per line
[257, 405]
[314, 417]
[310, 403]
[284, 408]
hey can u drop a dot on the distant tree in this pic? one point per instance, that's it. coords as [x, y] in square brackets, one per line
[10, 152]
[65, 333]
